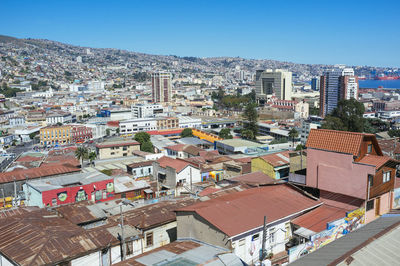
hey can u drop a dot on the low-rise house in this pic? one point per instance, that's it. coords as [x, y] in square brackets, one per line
[175, 174]
[12, 181]
[115, 149]
[127, 188]
[156, 222]
[183, 150]
[276, 165]
[30, 238]
[94, 186]
[140, 169]
[349, 168]
[235, 221]
[236, 146]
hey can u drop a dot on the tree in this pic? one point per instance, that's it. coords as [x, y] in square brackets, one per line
[278, 141]
[347, 116]
[293, 134]
[117, 130]
[147, 147]
[92, 156]
[32, 135]
[250, 115]
[300, 147]
[142, 137]
[59, 124]
[187, 132]
[247, 134]
[81, 153]
[314, 110]
[108, 132]
[394, 133]
[225, 133]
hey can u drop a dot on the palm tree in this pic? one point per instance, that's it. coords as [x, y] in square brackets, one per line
[81, 153]
[92, 156]
[293, 134]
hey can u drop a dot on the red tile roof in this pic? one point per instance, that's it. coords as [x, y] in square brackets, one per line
[317, 219]
[337, 141]
[43, 171]
[375, 160]
[239, 212]
[176, 164]
[277, 159]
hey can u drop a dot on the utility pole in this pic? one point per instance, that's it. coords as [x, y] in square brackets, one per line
[122, 233]
[264, 238]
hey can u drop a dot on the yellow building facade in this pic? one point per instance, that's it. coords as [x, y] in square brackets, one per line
[56, 135]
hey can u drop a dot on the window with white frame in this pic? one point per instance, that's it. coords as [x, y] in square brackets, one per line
[386, 176]
[272, 235]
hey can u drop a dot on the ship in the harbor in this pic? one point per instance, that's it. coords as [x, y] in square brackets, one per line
[384, 77]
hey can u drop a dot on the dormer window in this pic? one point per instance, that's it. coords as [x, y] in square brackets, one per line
[369, 149]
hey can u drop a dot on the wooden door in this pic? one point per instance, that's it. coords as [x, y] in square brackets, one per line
[377, 206]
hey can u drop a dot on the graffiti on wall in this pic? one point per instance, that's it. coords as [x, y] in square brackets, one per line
[335, 230]
[396, 198]
[81, 195]
[62, 196]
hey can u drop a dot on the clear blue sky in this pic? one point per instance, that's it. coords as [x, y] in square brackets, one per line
[324, 31]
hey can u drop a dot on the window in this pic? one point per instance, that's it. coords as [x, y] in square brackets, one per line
[272, 235]
[104, 194]
[112, 153]
[255, 237]
[386, 176]
[369, 149]
[287, 229]
[54, 202]
[371, 180]
[137, 193]
[149, 239]
[124, 148]
[129, 248]
[370, 205]
[242, 242]
[124, 154]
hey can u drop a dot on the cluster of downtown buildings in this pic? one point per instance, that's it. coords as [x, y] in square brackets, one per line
[192, 200]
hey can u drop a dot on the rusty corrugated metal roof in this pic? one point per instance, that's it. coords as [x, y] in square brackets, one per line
[43, 238]
[248, 208]
[43, 171]
[155, 214]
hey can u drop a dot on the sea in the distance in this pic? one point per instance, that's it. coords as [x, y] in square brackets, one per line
[387, 84]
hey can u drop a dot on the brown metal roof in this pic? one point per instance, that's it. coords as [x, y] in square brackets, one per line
[43, 171]
[317, 219]
[255, 178]
[141, 164]
[155, 214]
[80, 213]
[248, 208]
[42, 238]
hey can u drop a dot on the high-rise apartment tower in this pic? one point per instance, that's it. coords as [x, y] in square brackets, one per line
[161, 87]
